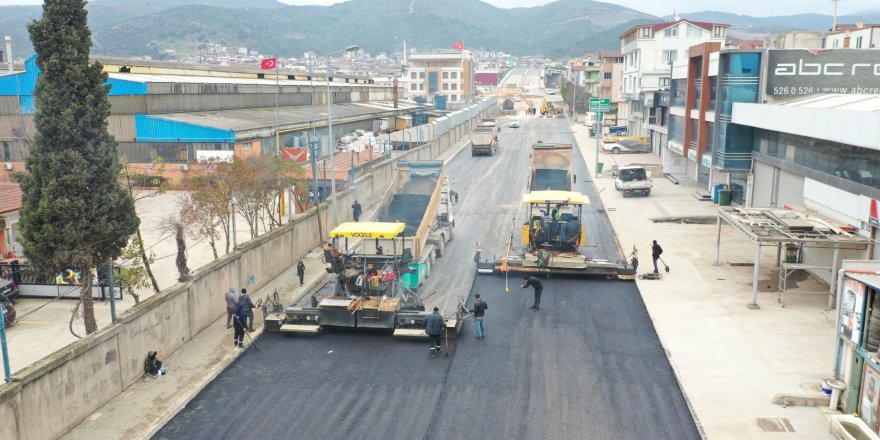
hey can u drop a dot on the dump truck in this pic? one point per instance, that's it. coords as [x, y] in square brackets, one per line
[552, 237]
[484, 138]
[550, 167]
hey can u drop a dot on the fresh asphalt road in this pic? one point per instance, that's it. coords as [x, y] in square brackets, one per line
[587, 365]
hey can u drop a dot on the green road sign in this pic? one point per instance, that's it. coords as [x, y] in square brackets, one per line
[600, 105]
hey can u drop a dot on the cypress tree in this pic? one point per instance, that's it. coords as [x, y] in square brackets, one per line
[74, 213]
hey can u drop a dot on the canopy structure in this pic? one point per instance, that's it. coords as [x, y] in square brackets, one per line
[368, 230]
[802, 228]
[556, 198]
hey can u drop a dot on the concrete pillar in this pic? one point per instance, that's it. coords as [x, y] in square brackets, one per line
[757, 270]
[778, 254]
[718, 241]
[833, 283]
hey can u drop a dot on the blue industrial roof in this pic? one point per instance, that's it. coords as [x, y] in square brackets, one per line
[24, 83]
[154, 129]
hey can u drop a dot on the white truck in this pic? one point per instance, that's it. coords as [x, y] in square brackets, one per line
[633, 179]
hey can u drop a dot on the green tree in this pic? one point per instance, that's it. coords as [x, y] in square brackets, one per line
[74, 213]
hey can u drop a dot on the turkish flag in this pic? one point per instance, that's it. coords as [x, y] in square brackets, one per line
[269, 63]
[458, 45]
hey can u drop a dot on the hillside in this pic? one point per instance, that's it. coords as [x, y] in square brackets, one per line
[771, 25]
[134, 27]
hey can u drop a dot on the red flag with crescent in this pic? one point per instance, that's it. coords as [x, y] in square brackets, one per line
[269, 63]
[458, 45]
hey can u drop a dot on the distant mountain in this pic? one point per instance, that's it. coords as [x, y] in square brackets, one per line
[745, 24]
[137, 27]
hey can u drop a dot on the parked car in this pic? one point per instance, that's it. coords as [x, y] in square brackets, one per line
[7, 310]
[513, 123]
[8, 289]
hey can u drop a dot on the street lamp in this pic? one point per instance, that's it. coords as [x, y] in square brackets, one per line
[349, 49]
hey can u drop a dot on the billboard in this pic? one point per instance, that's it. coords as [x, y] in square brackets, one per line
[214, 156]
[797, 73]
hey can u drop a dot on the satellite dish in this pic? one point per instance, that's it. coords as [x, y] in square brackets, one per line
[860, 24]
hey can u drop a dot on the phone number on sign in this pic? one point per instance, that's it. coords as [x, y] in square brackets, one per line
[793, 90]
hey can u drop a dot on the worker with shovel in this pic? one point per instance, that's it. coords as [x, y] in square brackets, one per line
[434, 329]
[656, 251]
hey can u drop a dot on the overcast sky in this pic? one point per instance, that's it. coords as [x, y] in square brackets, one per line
[758, 8]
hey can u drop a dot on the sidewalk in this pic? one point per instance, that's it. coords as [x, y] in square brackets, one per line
[730, 360]
[150, 402]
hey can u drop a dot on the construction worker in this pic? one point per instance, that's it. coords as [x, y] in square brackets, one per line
[301, 272]
[538, 286]
[480, 308]
[356, 211]
[247, 309]
[231, 304]
[656, 251]
[434, 329]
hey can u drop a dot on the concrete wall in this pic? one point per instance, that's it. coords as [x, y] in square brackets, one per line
[48, 398]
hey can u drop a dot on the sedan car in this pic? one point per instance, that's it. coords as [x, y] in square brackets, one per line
[7, 310]
[8, 289]
[613, 148]
[513, 123]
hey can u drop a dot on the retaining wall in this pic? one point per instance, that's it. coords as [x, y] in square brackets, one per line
[49, 397]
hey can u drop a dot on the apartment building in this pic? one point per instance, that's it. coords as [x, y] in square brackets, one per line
[854, 36]
[611, 86]
[648, 52]
[440, 72]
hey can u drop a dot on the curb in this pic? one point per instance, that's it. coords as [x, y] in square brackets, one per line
[218, 368]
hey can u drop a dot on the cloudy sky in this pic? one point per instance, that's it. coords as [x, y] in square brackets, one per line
[747, 7]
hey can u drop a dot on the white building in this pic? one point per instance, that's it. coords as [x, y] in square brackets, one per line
[441, 72]
[648, 53]
[857, 36]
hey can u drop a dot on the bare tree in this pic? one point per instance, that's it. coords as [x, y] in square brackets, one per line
[143, 184]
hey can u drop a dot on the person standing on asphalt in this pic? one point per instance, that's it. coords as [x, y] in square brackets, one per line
[238, 318]
[536, 284]
[480, 308]
[301, 271]
[356, 211]
[231, 304]
[247, 309]
[434, 329]
[656, 251]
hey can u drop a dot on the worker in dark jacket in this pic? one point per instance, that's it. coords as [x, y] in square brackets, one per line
[301, 272]
[656, 251]
[536, 284]
[434, 329]
[356, 211]
[480, 308]
[238, 327]
[247, 309]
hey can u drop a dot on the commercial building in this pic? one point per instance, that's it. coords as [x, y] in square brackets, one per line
[181, 113]
[441, 72]
[648, 52]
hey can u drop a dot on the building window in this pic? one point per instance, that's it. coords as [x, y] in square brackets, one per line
[245, 146]
[445, 75]
[694, 32]
[421, 87]
[834, 44]
[717, 31]
[606, 75]
[421, 75]
[453, 75]
[413, 87]
[669, 56]
[646, 32]
[858, 42]
[445, 86]
[413, 75]
[454, 86]
[664, 81]
[671, 32]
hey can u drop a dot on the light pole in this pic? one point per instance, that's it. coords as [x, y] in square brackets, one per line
[330, 130]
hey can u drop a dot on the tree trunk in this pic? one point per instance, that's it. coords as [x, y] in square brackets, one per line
[181, 255]
[146, 261]
[88, 306]
[213, 246]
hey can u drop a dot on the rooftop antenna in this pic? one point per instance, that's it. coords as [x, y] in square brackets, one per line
[834, 16]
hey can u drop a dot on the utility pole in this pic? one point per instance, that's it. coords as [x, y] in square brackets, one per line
[834, 15]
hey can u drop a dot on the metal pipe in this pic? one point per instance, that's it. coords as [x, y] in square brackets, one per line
[757, 270]
[839, 343]
[7, 369]
[833, 286]
[718, 242]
